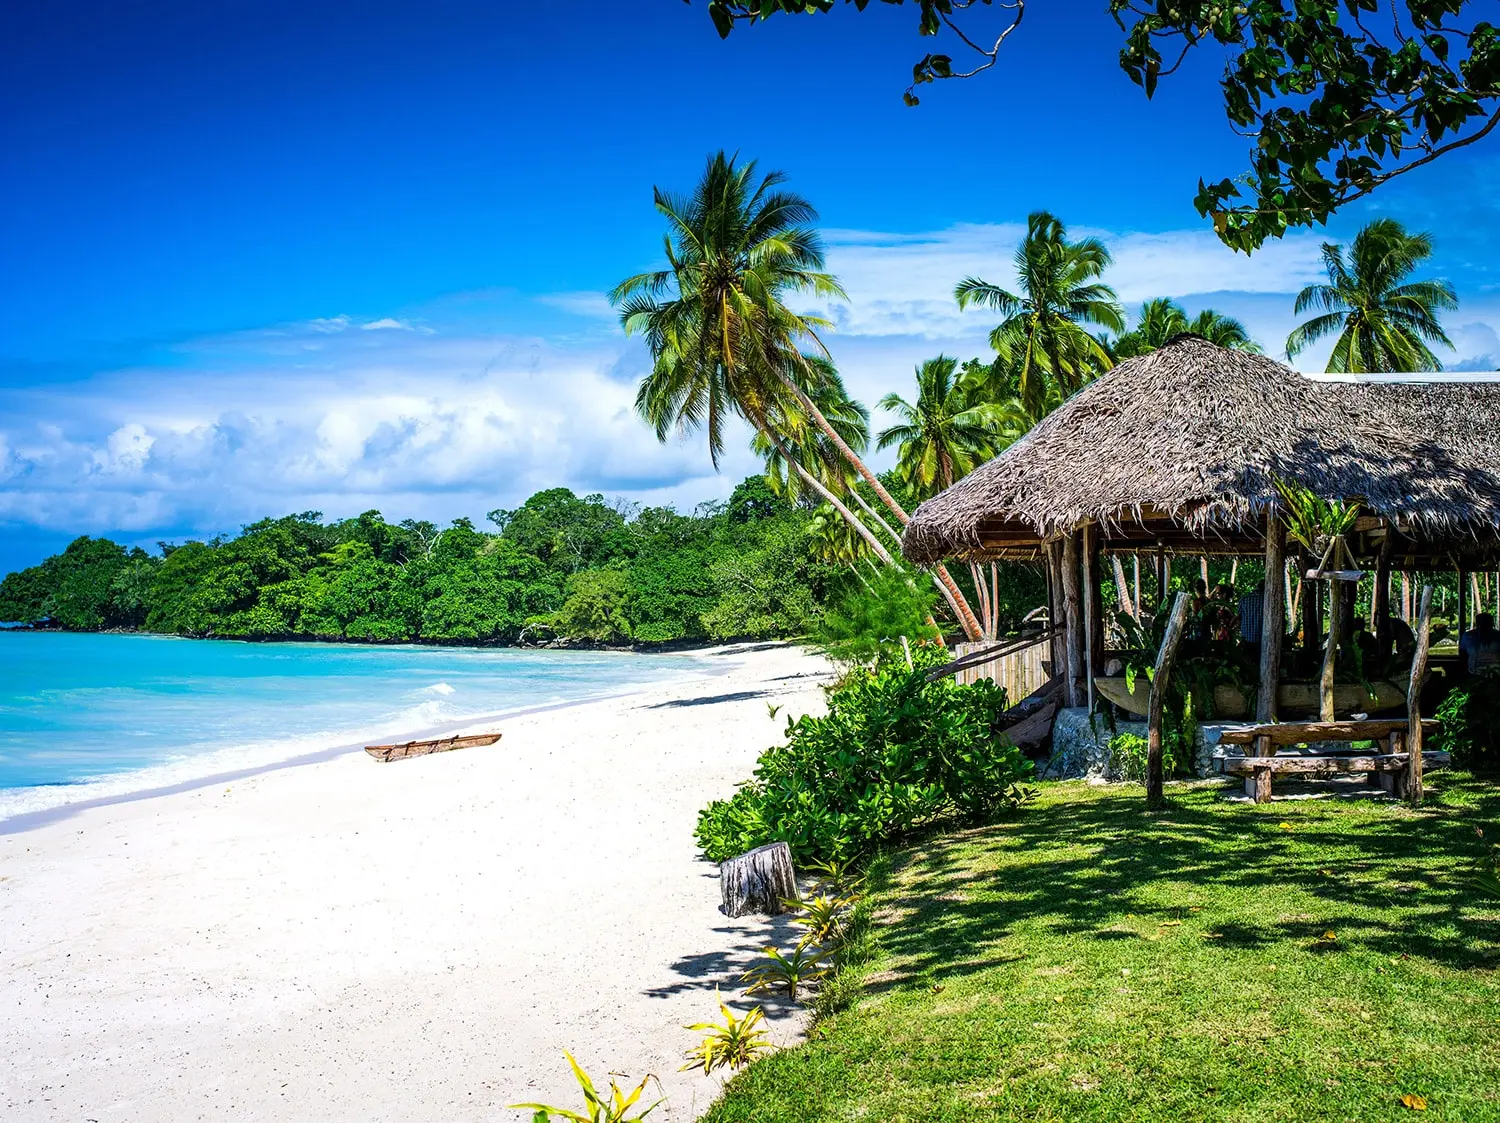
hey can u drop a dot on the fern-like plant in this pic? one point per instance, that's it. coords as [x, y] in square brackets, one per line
[1314, 522]
[615, 1108]
[732, 1043]
[787, 973]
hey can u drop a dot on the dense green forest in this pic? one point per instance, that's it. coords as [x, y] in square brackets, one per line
[558, 567]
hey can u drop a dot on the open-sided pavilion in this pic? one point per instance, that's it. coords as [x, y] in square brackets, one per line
[1177, 452]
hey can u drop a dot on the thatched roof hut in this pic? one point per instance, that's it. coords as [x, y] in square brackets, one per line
[1179, 448]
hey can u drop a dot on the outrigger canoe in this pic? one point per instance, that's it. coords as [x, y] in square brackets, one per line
[387, 753]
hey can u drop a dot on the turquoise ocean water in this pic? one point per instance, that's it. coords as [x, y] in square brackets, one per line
[87, 717]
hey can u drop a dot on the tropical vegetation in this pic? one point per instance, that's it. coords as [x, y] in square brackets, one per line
[557, 567]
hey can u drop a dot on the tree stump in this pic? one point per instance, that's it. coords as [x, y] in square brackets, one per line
[758, 881]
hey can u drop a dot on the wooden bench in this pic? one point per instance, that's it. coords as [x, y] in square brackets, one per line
[1260, 763]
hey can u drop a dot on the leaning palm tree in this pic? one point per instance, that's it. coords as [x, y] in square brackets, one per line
[1059, 292]
[945, 434]
[1163, 318]
[722, 338]
[1384, 322]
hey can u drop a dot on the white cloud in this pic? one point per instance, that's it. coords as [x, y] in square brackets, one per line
[903, 284]
[593, 305]
[427, 426]
[387, 323]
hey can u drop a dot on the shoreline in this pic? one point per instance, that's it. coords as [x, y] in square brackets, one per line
[146, 782]
[348, 940]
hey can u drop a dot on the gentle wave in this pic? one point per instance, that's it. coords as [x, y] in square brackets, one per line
[90, 718]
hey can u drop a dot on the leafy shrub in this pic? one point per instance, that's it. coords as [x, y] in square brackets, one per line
[894, 753]
[1470, 717]
[1127, 754]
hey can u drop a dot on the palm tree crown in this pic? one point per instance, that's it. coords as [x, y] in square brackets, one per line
[721, 337]
[1163, 318]
[1384, 321]
[1042, 333]
[945, 434]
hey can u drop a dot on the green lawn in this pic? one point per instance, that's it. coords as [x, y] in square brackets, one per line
[1301, 960]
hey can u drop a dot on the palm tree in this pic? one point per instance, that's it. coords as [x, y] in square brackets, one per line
[722, 339]
[1059, 291]
[1163, 318]
[1383, 320]
[945, 434]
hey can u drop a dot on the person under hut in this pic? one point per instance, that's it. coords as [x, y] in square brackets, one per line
[1480, 646]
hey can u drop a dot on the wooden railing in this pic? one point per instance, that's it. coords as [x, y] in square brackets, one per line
[1014, 664]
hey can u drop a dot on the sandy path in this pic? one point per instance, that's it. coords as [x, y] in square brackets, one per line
[417, 941]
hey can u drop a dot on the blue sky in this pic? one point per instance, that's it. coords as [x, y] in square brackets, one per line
[263, 257]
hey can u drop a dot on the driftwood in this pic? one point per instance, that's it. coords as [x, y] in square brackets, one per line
[758, 881]
[387, 753]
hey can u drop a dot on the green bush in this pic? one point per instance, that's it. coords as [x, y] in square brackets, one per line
[893, 753]
[1470, 717]
[875, 612]
[1127, 752]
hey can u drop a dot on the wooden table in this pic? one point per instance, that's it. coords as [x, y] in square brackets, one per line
[1386, 765]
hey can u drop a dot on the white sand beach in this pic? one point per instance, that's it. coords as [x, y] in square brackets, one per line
[420, 940]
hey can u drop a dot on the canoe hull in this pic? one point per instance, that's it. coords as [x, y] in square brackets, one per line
[387, 753]
[1295, 699]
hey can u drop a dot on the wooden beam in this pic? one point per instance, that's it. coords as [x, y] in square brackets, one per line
[1157, 706]
[1273, 624]
[1258, 780]
[1312, 732]
[1330, 652]
[1414, 699]
[1073, 615]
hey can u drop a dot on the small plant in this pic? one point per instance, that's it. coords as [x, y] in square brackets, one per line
[787, 973]
[823, 917]
[732, 1044]
[837, 876]
[615, 1109]
[1127, 752]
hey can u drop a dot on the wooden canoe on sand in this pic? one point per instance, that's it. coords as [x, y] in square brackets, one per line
[387, 753]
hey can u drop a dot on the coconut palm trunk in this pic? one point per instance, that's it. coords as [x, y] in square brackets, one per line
[955, 597]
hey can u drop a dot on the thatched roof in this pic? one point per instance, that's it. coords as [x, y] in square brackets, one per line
[1194, 434]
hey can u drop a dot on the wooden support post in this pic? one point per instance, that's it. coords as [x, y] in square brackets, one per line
[1122, 586]
[1136, 562]
[1258, 783]
[1312, 615]
[1163, 578]
[1156, 707]
[1414, 700]
[1096, 601]
[1203, 570]
[1272, 619]
[1330, 653]
[1380, 602]
[1056, 616]
[1394, 782]
[1090, 580]
[1463, 603]
[1073, 613]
